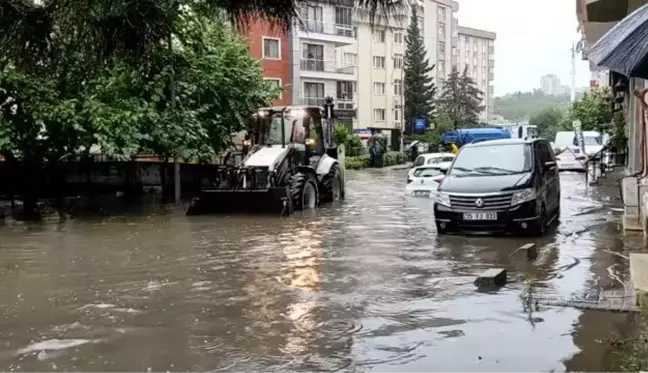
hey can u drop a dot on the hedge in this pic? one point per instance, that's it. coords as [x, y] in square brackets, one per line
[362, 161]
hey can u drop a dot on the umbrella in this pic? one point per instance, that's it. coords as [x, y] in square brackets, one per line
[624, 48]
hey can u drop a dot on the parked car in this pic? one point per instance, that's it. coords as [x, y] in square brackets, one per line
[501, 185]
[444, 160]
[425, 181]
[571, 159]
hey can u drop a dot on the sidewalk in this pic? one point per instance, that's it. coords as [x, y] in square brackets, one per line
[397, 167]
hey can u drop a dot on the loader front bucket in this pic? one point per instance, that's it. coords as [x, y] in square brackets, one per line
[271, 201]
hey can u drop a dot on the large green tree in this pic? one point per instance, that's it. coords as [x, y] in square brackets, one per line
[549, 121]
[420, 89]
[461, 99]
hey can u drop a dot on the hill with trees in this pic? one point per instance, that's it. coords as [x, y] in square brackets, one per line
[524, 105]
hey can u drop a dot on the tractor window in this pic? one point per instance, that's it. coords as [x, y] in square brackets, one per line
[274, 131]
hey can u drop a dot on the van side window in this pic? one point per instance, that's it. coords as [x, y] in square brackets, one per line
[419, 161]
[550, 153]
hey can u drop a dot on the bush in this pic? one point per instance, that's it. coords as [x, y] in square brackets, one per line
[356, 163]
[362, 161]
[394, 158]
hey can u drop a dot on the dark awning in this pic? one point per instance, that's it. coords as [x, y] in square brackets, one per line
[624, 48]
[606, 10]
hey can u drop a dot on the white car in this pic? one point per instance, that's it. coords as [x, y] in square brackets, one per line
[443, 160]
[571, 159]
[425, 181]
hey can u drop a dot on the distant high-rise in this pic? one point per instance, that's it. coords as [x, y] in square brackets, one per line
[550, 85]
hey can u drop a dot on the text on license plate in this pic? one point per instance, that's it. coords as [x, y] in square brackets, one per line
[480, 216]
[425, 193]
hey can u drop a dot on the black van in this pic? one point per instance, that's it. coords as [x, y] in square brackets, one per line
[500, 185]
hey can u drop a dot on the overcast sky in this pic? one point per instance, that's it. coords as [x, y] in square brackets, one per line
[533, 39]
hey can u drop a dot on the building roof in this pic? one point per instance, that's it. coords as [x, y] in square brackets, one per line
[476, 32]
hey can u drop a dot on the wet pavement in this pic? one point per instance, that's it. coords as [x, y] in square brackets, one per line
[362, 286]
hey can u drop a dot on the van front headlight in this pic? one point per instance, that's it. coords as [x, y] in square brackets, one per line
[443, 199]
[524, 195]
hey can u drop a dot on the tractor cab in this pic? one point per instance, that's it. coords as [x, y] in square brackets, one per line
[302, 128]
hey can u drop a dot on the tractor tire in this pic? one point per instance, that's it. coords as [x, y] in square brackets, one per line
[303, 192]
[331, 189]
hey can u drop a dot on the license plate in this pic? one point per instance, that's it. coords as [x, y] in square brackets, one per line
[422, 193]
[480, 216]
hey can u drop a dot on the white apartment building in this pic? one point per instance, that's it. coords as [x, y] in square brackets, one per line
[440, 32]
[476, 51]
[320, 67]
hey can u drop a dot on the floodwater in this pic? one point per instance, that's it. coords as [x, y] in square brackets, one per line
[362, 286]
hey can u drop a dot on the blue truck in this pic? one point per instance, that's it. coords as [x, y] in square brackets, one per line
[463, 136]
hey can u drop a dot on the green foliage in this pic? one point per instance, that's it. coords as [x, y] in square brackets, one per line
[351, 141]
[594, 110]
[521, 106]
[549, 122]
[420, 90]
[124, 108]
[619, 139]
[461, 99]
[362, 161]
[357, 162]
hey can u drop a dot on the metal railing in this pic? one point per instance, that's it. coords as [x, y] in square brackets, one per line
[313, 26]
[329, 66]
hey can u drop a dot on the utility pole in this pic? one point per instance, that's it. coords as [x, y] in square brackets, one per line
[573, 74]
[176, 165]
[402, 126]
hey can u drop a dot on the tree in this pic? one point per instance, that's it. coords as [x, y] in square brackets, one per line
[420, 89]
[594, 110]
[521, 106]
[548, 121]
[461, 99]
[49, 115]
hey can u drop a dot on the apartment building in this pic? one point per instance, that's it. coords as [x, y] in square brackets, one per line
[325, 58]
[273, 48]
[476, 51]
[439, 27]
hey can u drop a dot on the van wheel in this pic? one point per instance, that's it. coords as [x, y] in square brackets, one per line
[539, 226]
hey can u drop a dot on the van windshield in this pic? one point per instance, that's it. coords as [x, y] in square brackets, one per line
[493, 160]
[589, 140]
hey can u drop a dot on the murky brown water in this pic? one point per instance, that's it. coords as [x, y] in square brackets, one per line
[365, 286]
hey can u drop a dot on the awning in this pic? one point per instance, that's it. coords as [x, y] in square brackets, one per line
[624, 48]
[595, 30]
[606, 10]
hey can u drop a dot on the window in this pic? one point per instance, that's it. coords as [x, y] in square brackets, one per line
[398, 61]
[398, 38]
[344, 16]
[397, 114]
[442, 48]
[454, 51]
[379, 115]
[379, 89]
[350, 59]
[442, 30]
[495, 159]
[398, 87]
[275, 82]
[442, 12]
[427, 172]
[344, 22]
[345, 90]
[379, 62]
[312, 57]
[442, 159]
[314, 94]
[379, 36]
[312, 16]
[441, 68]
[271, 48]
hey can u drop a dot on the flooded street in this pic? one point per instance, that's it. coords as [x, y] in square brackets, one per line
[364, 286]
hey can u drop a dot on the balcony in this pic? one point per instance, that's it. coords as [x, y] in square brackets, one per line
[335, 33]
[313, 101]
[326, 69]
